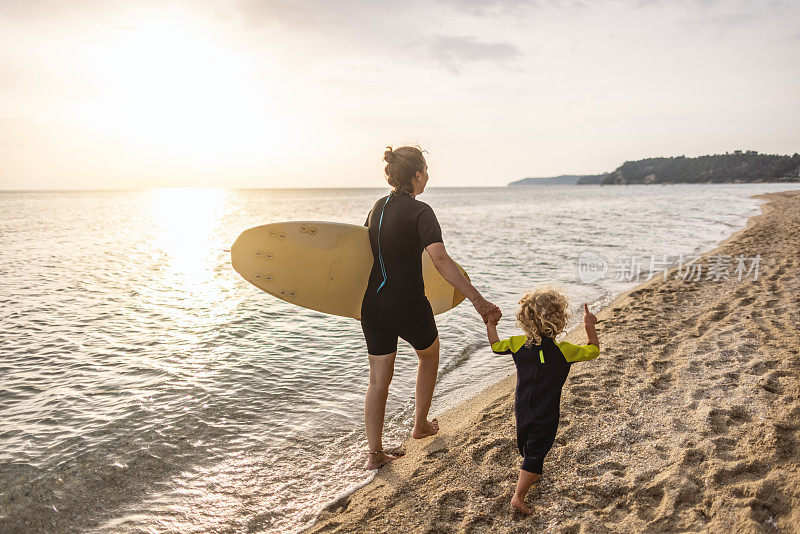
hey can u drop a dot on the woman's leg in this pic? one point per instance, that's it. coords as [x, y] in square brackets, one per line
[381, 369]
[427, 370]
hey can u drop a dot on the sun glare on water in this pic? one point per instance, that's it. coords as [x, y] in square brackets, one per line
[186, 221]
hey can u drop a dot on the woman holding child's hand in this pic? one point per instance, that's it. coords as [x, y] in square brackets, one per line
[394, 305]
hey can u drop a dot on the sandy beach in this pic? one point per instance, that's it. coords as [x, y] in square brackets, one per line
[688, 421]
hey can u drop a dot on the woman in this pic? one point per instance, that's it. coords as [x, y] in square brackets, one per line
[394, 305]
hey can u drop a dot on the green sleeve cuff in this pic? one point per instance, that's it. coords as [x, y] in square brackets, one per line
[578, 353]
[509, 346]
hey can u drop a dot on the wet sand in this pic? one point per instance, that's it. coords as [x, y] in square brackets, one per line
[688, 421]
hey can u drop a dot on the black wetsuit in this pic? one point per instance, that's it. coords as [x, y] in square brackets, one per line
[541, 372]
[394, 305]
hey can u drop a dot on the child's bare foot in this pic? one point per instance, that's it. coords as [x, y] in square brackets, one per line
[519, 504]
[376, 461]
[425, 429]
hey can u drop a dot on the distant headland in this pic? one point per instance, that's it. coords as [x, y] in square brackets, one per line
[728, 168]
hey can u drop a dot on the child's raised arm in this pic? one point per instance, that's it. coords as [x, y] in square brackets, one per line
[589, 320]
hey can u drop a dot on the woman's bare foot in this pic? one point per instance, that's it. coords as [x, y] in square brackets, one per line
[423, 430]
[519, 504]
[376, 461]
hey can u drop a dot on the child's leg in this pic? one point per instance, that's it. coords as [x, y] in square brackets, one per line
[526, 478]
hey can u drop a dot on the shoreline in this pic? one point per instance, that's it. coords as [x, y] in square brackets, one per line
[618, 462]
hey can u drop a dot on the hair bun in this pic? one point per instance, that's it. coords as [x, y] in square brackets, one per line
[389, 155]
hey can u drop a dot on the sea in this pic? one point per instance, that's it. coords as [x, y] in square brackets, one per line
[146, 387]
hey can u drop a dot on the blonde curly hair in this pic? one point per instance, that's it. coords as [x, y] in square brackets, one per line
[543, 312]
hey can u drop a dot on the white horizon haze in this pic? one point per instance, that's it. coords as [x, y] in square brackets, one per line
[274, 94]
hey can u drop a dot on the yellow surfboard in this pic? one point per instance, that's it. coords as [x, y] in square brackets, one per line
[322, 266]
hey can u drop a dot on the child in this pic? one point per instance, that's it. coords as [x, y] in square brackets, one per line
[542, 368]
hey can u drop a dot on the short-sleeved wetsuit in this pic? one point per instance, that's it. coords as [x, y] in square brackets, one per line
[541, 372]
[395, 305]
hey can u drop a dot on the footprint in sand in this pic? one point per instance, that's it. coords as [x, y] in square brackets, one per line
[611, 384]
[761, 367]
[772, 384]
[769, 501]
[661, 383]
[660, 365]
[692, 457]
[719, 420]
[584, 390]
[479, 523]
[451, 506]
[647, 499]
[723, 446]
[492, 486]
[777, 274]
[740, 471]
[615, 468]
[494, 451]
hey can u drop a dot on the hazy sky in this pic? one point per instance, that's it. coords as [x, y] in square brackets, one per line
[105, 94]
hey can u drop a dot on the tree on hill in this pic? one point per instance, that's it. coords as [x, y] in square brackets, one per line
[749, 166]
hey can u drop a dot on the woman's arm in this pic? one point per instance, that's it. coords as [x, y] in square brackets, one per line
[450, 272]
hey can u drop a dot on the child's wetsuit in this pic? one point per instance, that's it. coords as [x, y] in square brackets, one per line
[541, 372]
